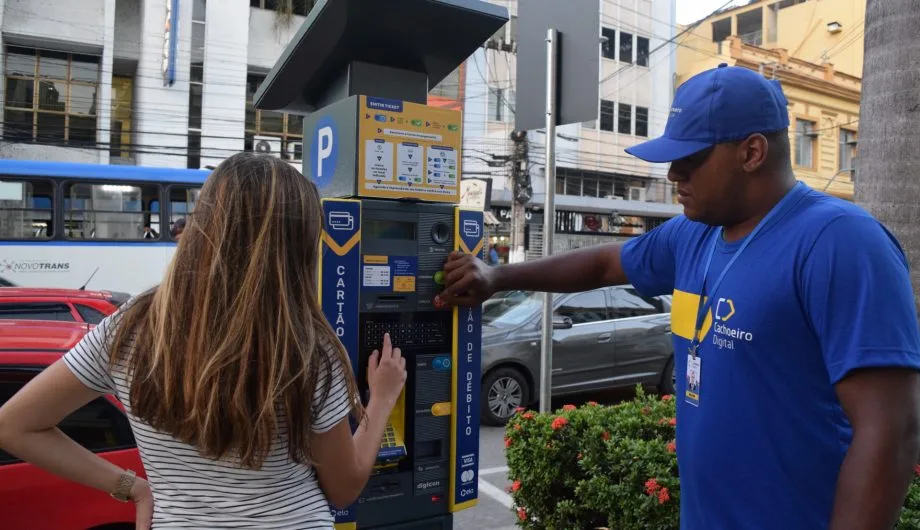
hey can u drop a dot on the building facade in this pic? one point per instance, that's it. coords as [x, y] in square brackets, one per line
[815, 49]
[164, 83]
[170, 83]
[602, 194]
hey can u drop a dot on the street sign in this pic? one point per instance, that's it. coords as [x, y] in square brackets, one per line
[577, 25]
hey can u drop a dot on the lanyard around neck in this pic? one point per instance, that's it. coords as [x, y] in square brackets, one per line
[705, 306]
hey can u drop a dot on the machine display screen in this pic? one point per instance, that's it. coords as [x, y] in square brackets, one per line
[386, 229]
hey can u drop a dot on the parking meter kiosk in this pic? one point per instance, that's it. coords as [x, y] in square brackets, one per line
[388, 168]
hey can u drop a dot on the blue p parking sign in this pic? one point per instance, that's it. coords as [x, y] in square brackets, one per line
[324, 151]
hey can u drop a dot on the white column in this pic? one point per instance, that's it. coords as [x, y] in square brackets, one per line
[223, 112]
[104, 90]
[161, 112]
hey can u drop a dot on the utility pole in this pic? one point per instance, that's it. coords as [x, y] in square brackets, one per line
[522, 191]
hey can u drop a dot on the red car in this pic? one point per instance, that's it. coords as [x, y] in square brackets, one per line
[31, 498]
[64, 305]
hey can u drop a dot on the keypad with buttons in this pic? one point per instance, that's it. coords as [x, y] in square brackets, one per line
[405, 334]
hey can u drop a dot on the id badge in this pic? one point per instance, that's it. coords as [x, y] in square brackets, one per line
[694, 372]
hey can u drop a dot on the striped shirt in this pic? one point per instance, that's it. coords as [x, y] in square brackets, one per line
[191, 491]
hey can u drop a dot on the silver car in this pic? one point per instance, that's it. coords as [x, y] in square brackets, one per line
[602, 339]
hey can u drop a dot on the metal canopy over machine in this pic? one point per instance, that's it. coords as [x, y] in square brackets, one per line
[396, 49]
[388, 167]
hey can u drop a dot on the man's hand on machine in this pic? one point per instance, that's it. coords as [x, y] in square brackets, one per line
[468, 281]
[386, 373]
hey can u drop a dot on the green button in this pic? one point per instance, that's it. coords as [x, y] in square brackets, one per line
[439, 277]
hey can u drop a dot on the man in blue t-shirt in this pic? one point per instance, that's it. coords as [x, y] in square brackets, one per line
[795, 331]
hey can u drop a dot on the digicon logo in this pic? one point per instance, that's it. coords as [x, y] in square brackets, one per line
[34, 266]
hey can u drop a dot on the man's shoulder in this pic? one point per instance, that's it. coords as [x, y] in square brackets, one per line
[819, 211]
[682, 226]
[829, 221]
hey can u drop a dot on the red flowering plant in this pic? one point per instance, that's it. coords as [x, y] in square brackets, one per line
[596, 466]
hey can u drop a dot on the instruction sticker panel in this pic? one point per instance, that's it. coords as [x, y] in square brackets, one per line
[409, 150]
[389, 273]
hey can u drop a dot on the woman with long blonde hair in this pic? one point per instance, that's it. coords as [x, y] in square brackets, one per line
[237, 389]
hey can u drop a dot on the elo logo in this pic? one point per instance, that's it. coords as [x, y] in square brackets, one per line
[324, 152]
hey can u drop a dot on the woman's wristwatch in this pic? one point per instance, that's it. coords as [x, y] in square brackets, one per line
[122, 491]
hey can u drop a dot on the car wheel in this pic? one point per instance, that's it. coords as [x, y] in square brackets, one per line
[503, 391]
[668, 378]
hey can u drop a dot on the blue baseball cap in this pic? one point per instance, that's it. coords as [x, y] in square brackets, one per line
[724, 104]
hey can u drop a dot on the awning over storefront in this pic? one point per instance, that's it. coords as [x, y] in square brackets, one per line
[490, 219]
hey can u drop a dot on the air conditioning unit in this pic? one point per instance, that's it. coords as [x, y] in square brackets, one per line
[295, 151]
[503, 39]
[637, 193]
[267, 145]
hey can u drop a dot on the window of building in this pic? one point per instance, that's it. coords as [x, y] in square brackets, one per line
[642, 122]
[585, 308]
[609, 47]
[110, 211]
[196, 84]
[624, 119]
[285, 131]
[642, 51]
[122, 98]
[591, 183]
[847, 151]
[750, 27]
[805, 143]
[721, 29]
[501, 104]
[626, 47]
[606, 115]
[449, 87]
[98, 426]
[50, 96]
[36, 311]
[297, 7]
[789, 3]
[26, 209]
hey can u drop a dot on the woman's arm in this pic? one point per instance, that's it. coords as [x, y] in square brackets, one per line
[28, 430]
[344, 461]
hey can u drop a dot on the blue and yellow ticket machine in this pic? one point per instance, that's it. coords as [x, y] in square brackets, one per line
[388, 167]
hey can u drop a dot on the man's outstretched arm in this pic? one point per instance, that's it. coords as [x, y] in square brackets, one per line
[647, 262]
[469, 280]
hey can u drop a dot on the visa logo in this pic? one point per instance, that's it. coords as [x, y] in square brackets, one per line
[380, 117]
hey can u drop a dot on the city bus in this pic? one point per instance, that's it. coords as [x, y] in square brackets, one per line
[101, 227]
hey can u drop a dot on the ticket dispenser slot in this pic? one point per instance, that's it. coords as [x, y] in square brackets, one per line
[403, 248]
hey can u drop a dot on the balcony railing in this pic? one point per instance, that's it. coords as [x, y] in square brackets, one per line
[754, 38]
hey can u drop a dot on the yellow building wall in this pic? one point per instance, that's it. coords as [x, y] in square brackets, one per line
[829, 115]
[800, 29]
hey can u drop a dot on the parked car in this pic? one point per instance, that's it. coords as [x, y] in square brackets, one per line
[64, 305]
[31, 498]
[602, 339]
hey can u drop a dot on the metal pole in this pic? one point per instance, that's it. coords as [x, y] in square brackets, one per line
[549, 220]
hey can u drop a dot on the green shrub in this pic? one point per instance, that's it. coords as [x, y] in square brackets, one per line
[607, 467]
